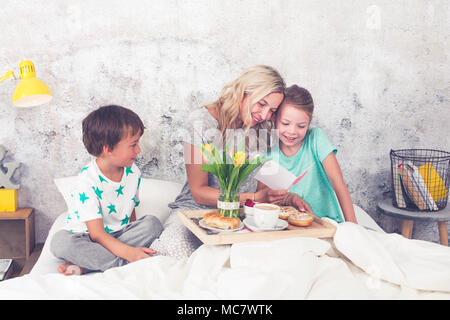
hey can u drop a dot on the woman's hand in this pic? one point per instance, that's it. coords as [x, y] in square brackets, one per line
[277, 196]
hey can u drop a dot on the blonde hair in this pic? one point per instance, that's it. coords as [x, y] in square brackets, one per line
[258, 81]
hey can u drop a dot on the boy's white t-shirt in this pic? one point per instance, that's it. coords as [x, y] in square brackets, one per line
[95, 196]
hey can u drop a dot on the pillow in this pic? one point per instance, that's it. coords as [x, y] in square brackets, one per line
[64, 186]
[365, 220]
[154, 196]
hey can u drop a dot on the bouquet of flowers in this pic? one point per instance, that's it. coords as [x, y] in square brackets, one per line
[231, 168]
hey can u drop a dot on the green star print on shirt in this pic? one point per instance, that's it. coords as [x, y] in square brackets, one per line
[83, 197]
[119, 191]
[125, 220]
[128, 170]
[98, 192]
[95, 196]
[112, 208]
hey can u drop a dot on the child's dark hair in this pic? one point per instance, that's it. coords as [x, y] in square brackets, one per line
[299, 97]
[107, 125]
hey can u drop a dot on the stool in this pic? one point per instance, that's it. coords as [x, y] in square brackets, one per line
[408, 217]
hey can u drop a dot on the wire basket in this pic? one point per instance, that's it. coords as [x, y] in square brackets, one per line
[420, 179]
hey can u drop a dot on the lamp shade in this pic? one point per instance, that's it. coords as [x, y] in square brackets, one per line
[30, 91]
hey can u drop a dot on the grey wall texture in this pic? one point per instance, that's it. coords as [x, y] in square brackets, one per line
[378, 71]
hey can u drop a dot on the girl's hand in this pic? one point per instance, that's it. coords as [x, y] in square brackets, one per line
[139, 253]
[300, 204]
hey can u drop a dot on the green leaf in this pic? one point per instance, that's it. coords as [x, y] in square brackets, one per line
[217, 155]
[247, 170]
[207, 155]
[234, 173]
[210, 168]
[214, 169]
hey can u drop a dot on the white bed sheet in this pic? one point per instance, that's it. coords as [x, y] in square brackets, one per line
[357, 264]
[48, 263]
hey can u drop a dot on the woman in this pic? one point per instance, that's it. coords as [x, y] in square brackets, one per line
[247, 102]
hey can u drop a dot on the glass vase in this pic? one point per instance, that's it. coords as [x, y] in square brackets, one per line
[228, 204]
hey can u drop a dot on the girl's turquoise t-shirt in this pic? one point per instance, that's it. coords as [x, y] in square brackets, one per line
[314, 188]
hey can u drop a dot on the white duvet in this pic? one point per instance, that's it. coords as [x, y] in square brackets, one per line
[357, 264]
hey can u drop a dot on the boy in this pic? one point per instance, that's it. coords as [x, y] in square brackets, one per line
[101, 231]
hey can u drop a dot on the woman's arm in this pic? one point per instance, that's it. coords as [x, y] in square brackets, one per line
[334, 174]
[197, 179]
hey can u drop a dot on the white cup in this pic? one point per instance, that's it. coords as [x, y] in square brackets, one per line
[265, 215]
[249, 210]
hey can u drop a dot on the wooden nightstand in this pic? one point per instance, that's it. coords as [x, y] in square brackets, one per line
[409, 217]
[17, 233]
[17, 241]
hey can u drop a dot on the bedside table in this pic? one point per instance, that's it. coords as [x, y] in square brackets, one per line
[409, 217]
[17, 238]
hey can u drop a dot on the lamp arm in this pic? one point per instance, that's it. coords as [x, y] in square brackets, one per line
[7, 75]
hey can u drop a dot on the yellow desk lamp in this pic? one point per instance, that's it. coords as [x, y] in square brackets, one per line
[30, 91]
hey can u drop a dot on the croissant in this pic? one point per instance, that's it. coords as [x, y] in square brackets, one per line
[216, 220]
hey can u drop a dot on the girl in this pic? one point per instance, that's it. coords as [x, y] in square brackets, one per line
[323, 188]
[247, 102]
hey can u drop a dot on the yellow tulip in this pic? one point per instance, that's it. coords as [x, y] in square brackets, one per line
[239, 159]
[208, 148]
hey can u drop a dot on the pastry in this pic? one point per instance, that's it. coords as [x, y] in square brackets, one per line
[286, 211]
[216, 220]
[301, 219]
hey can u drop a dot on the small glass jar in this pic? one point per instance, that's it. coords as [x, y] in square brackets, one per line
[228, 204]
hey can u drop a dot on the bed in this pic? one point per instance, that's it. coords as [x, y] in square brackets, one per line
[360, 262]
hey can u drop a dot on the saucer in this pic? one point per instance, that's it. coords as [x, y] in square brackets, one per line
[250, 223]
[203, 225]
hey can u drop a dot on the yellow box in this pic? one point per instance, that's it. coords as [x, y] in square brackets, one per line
[9, 200]
[434, 183]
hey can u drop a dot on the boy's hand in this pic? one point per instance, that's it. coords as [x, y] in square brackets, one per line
[139, 253]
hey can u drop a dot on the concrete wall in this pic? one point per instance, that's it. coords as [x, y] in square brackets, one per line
[378, 71]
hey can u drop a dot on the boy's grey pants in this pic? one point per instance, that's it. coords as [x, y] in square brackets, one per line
[79, 249]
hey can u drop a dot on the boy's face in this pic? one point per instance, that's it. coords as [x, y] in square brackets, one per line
[292, 124]
[125, 151]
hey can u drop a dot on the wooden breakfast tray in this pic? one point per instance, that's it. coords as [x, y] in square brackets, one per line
[318, 229]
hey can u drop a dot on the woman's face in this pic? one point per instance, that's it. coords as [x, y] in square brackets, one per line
[261, 110]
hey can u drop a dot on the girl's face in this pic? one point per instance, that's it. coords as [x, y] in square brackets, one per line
[292, 124]
[261, 110]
